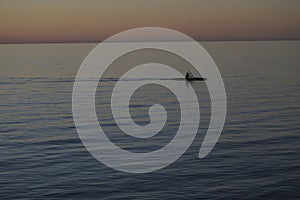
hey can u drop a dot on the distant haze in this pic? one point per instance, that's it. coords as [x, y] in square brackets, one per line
[31, 21]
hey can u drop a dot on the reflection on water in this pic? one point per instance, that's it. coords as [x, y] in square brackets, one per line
[256, 156]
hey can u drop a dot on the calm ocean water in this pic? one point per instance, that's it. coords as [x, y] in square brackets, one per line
[257, 155]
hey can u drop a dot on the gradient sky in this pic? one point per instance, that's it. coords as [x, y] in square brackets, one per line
[28, 21]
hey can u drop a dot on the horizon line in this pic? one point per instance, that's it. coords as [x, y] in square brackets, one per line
[212, 40]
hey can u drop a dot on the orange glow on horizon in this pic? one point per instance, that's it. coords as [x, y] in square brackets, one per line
[82, 21]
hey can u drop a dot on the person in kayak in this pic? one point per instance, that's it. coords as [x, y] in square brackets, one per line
[188, 75]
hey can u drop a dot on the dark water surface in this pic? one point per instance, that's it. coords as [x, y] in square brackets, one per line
[257, 155]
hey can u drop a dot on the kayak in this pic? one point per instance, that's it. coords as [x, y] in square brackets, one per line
[195, 79]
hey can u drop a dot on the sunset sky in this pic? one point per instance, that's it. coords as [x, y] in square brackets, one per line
[30, 21]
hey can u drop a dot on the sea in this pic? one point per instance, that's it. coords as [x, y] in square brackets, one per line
[256, 157]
